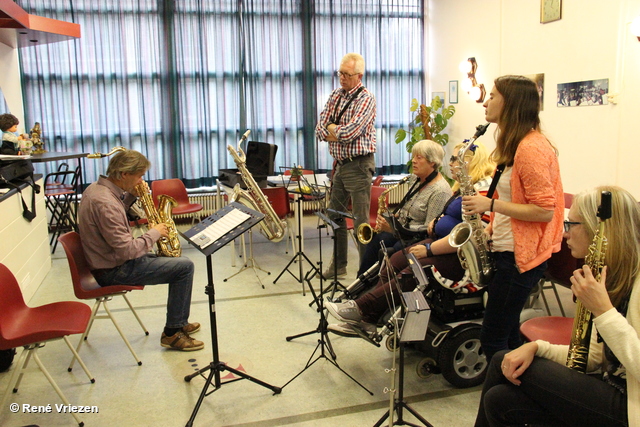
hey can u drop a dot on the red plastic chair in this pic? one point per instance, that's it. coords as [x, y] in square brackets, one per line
[279, 199]
[85, 287]
[31, 328]
[176, 189]
[568, 200]
[560, 268]
[556, 330]
[376, 192]
[378, 180]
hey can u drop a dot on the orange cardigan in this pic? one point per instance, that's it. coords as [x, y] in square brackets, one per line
[535, 179]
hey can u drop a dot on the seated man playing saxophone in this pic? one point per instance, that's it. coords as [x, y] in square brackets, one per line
[364, 312]
[116, 257]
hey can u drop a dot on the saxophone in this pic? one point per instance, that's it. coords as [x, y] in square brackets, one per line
[272, 227]
[578, 354]
[469, 236]
[365, 232]
[166, 246]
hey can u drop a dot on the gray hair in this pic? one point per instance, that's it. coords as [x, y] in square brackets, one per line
[358, 60]
[430, 150]
[128, 161]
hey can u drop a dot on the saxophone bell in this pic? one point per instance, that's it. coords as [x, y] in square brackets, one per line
[365, 232]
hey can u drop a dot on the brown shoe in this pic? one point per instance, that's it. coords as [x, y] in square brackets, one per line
[191, 328]
[181, 341]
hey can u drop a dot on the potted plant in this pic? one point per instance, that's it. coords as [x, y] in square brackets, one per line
[429, 123]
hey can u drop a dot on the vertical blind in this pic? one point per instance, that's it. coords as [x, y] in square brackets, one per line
[179, 80]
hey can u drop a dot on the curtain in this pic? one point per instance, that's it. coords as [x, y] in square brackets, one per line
[181, 80]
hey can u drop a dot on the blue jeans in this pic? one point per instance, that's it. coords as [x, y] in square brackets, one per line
[550, 394]
[154, 270]
[351, 182]
[507, 295]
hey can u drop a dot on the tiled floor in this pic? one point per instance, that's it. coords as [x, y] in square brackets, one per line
[252, 326]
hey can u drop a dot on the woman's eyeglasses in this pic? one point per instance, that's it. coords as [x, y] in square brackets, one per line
[568, 224]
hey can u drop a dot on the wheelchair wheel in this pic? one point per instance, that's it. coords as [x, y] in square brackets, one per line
[6, 358]
[461, 359]
[426, 368]
[392, 341]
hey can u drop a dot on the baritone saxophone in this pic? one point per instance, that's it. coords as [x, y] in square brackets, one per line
[578, 354]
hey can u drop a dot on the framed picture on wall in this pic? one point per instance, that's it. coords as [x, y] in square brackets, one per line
[453, 91]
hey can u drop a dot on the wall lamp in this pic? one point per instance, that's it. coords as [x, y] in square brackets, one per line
[635, 27]
[470, 84]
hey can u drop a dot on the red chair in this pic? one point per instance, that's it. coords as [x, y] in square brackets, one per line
[85, 287]
[378, 180]
[31, 328]
[560, 268]
[568, 200]
[60, 198]
[376, 192]
[279, 199]
[556, 330]
[176, 189]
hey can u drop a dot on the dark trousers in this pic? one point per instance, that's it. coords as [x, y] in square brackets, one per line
[550, 395]
[507, 295]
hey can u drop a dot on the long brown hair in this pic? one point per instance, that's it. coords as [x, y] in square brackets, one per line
[622, 231]
[518, 117]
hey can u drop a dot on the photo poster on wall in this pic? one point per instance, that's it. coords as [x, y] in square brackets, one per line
[583, 94]
[538, 79]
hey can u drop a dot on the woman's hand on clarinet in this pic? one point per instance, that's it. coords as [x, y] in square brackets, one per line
[592, 293]
[517, 361]
[475, 204]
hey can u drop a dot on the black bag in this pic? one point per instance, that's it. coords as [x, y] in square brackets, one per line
[12, 174]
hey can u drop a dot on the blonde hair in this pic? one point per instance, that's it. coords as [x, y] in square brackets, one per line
[480, 164]
[358, 62]
[128, 161]
[622, 231]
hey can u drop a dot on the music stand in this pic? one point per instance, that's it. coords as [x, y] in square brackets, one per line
[299, 192]
[208, 236]
[323, 341]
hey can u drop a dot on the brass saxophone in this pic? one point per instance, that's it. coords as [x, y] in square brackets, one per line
[166, 246]
[365, 232]
[469, 236]
[272, 227]
[578, 354]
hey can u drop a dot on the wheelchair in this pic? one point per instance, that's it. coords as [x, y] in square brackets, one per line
[452, 343]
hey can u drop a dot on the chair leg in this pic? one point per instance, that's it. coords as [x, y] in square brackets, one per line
[53, 383]
[77, 356]
[135, 313]
[126, 341]
[18, 371]
[83, 338]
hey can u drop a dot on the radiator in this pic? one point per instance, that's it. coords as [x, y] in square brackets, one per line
[209, 202]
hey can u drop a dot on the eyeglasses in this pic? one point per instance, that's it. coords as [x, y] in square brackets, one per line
[568, 224]
[342, 73]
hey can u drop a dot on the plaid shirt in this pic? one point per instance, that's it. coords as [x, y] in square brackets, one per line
[356, 132]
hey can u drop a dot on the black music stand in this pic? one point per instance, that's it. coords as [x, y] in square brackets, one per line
[299, 256]
[208, 244]
[323, 341]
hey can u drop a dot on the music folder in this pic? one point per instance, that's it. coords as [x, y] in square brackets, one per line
[221, 227]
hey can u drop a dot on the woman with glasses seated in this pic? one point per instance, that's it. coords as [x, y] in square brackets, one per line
[427, 195]
[526, 215]
[364, 312]
[531, 385]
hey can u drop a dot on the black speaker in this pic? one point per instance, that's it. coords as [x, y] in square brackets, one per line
[261, 158]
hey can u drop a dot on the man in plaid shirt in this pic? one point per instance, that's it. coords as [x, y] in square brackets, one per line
[347, 124]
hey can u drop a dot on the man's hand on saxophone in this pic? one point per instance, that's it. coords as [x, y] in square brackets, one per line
[162, 228]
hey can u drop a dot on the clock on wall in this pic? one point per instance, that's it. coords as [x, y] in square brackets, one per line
[550, 10]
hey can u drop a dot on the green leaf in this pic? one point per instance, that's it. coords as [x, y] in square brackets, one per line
[436, 103]
[401, 134]
[414, 105]
[448, 112]
[440, 121]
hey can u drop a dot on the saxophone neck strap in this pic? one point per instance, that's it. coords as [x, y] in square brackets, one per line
[336, 120]
[494, 180]
[413, 190]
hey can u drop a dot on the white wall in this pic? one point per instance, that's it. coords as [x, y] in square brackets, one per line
[10, 75]
[598, 144]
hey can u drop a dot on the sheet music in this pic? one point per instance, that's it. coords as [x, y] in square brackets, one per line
[219, 228]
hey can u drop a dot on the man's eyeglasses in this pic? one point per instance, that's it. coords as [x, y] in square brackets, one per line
[568, 224]
[342, 73]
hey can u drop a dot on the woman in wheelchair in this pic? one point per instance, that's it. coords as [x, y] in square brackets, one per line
[532, 385]
[364, 312]
[428, 193]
